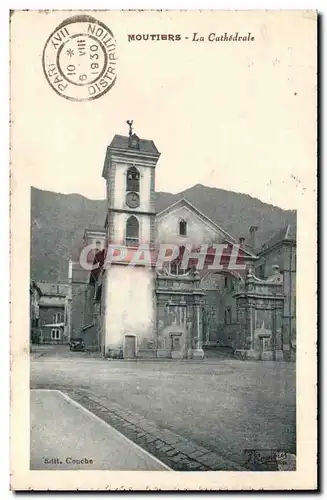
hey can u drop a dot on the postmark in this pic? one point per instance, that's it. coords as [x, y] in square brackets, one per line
[79, 59]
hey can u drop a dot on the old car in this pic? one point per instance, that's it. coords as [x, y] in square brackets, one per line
[77, 344]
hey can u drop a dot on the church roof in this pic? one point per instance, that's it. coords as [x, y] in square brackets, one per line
[53, 289]
[145, 145]
[95, 227]
[287, 233]
[95, 230]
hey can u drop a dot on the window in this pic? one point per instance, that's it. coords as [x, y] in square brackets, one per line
[261, 271]
[175, 268]
[55, 334]
[182, 227]
[133, 180]
[226, 282]
[57, 318]
[228, 316]
[132, 231]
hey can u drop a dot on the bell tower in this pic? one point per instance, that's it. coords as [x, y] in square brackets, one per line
[128, 295]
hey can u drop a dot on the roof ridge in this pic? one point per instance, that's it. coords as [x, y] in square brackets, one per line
[122, 142]
[281, 234]
[198, 211]
[287, 231]
[183, 198]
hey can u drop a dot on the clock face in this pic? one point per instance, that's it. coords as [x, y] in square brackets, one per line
[132, 200]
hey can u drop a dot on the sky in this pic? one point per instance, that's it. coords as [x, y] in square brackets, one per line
[235, 116]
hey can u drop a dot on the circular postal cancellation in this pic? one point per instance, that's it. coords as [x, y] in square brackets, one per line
[79, 59]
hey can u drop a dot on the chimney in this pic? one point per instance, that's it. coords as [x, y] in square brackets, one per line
[241, 241]
[253, 243]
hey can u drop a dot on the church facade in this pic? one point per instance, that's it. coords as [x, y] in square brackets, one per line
[173, 310]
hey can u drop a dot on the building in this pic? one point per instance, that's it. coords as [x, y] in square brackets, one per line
[168, 312]
[35, 294]
[280, 252]
[53, 314]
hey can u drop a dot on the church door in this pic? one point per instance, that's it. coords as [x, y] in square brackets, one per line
[176, 345]
[130, 347]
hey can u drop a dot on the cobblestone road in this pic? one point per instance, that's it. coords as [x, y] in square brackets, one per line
[191, 415]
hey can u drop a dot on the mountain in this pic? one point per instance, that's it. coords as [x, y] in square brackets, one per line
[58, 222]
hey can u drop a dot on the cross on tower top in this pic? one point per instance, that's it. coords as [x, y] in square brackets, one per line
[130, 123]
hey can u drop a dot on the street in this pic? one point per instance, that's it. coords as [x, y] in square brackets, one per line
[223, 406]
[57, 425]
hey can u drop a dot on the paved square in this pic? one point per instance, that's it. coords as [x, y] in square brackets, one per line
[56, 446]
[226, 406]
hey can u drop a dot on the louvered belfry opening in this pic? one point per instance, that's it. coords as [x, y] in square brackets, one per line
[133, 180]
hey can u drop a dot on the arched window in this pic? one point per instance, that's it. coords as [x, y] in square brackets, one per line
[175, 268]
[58, 318]
[132, 231]
[182, 227]
[133, 180]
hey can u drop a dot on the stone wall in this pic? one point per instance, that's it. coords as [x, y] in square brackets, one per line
[79, 292]
[284, 255]
[128, 297]
[220, 314]
[198, 232]
[179, 316]
[90, 337]
[289, 281]
[260, 310]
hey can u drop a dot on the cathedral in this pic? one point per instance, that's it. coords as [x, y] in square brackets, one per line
[127, 308]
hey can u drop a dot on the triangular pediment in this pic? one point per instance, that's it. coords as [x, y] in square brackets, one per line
[185, 204]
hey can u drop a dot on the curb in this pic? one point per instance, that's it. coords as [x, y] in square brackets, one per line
[178, 453]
